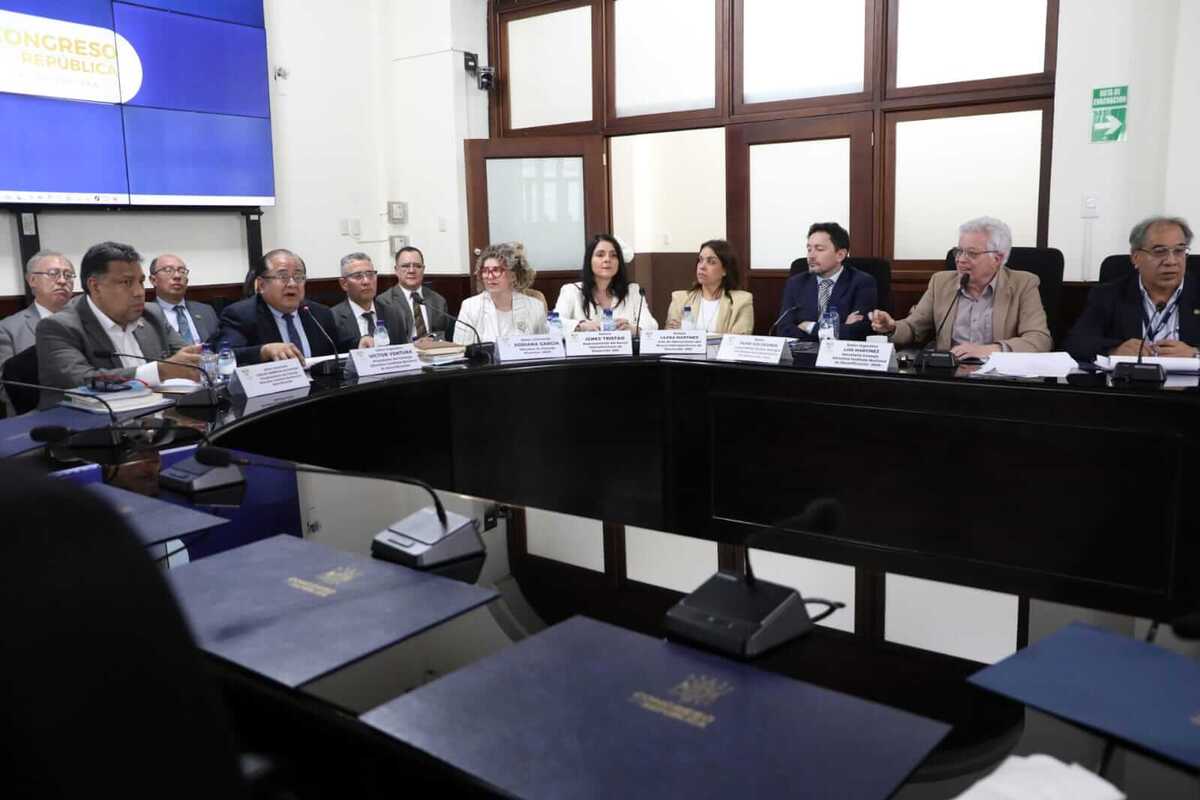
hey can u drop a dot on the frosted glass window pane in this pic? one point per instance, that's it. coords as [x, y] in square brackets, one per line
[944, 41]
[953, 169]
[956, 620]
[775, 68]
[550, 68]
[665, 55]
[562, 537]
[668, 189]
[538, 201]
[811, 579]
[667, 559]
[792, 185]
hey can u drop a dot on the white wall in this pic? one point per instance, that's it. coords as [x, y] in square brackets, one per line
[11, 267]
[1117, 43]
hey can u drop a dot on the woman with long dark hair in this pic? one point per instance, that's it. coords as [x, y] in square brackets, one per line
[604, 284]
[716, 305]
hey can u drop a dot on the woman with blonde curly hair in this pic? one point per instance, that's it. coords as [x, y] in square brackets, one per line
[500, 310]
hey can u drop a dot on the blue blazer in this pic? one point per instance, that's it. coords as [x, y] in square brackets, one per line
[854, 291]
[1114, 313]
[248, 324]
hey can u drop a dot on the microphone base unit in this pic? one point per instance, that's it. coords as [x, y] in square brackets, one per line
[938, 360]
[731, 615]
[329, 369]
[191, 477]
[418, 541]
[204, 397]
[481, 352]
[1133, 372]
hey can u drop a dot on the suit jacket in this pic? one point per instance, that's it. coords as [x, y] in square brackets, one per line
[67, 343]
[1113, 314]
[1018, 318]
[16, 335]
[249, 324]
[854, 291]
[435, 311]
[345, 317]
[736, 314]
[203, 316]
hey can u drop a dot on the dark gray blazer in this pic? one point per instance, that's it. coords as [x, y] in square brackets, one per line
[68, 341]
[348, 336]
[398, 299]
[16, 335]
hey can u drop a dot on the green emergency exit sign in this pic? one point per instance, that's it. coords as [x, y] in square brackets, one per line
[1109, 105]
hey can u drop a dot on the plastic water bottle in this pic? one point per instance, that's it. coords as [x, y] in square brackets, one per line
[608, 323]
[226, 362]
[208, 363]
[827, 328]
[687, 322]
[381, 335]
[554, 324]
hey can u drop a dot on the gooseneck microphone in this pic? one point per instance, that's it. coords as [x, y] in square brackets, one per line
[775, 324]
[337, 356]
[211, 456]
[944, 359]
[481, 350]
[638, 318]
[201, 398]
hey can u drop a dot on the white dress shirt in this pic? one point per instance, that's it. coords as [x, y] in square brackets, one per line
[123, 341]
[363, 328]
[42, 311]
[1165, 324]
[173, 319]
[281, 323]
[808, 325]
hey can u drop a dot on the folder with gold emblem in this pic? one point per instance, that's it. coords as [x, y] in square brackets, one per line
[1137, 692]
[293, 610]
[585, 709]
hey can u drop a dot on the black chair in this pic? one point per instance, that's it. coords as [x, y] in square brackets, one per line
[1047, 264]
[105, 692]
[22, 367]
[878, 268]
[1116, 267]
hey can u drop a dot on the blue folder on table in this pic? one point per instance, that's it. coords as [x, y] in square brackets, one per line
[1131, 690]
[585, 709]
[155, 521]
[293, 610]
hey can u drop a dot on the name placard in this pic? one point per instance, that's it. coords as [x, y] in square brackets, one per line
[367, 361]
[871, 356]
[755, 349]
[674, 342]
[600, 343]
[535, 347]
[268, 378]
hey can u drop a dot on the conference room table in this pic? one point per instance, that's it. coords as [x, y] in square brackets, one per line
[1037, 487]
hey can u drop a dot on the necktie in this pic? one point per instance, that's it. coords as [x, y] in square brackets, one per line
[294, 335]
[185, 330]
[369, 316]
[418, 318]
[824, 290]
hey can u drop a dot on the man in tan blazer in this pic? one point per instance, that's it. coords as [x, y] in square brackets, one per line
[997, 309]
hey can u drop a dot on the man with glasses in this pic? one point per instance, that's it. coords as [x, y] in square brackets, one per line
[51, 279]
[194, 322]
[110, 331]
[998, 309]
[277, 323]
[410, 273]
[357, 315]
[1155, 309]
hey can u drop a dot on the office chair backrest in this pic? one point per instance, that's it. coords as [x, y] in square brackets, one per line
[1118, 266]
[878, 268]
[22, 367]
[105, 692]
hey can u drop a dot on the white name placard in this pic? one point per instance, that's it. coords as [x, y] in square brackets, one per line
[600, 343]
[756, 349]
[534, 347]
[367, 361]
[872, 356]
[674, 342]
[268, 378]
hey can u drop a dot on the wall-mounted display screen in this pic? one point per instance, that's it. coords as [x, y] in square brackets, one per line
[149, 102]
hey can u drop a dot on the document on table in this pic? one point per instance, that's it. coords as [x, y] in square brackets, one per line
[1186, 366]
[1028, 365]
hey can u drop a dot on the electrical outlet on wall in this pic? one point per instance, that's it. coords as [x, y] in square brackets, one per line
[397, 212]
[1090, 208]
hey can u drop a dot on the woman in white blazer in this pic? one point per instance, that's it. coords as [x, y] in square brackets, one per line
[604, 284]
[500, 310]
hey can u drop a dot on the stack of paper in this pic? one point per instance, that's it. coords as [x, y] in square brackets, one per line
[137, 396]
[1042, 777]
[1028, 365]
[1189, 366]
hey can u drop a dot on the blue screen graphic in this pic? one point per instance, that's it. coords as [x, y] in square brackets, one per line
[147, 102]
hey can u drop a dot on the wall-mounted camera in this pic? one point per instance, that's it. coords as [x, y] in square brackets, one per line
[485, 77]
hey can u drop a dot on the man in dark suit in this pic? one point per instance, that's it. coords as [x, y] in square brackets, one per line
[194, 322]
[829, 283]
[1156, 305]
[51, 279]
[410, 273]
[111, 316]
[277, 323]
[357, 315]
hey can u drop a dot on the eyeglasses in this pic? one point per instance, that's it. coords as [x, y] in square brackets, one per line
[969, 255]
[493, 270]
[363, 275]
[299, 278]
[1162, 251]
[57, 275]
[182, 271]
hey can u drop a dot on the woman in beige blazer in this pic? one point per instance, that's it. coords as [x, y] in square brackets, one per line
[716, 306]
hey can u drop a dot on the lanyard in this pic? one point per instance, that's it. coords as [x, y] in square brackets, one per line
[1150, 332]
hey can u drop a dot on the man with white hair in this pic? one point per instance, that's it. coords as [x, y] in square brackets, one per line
[997, 309]
[51, 279]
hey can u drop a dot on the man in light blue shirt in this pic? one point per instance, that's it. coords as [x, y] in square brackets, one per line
[194, 322]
